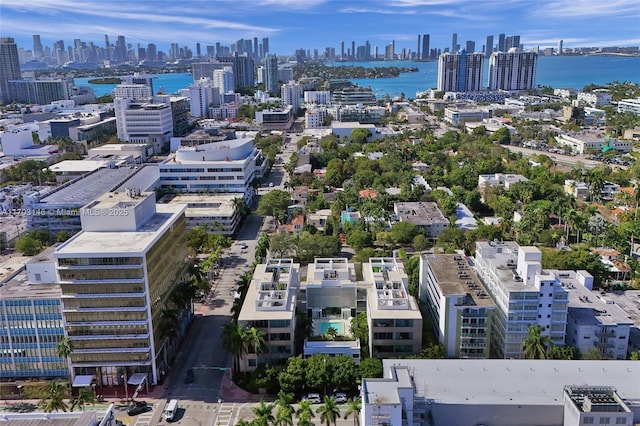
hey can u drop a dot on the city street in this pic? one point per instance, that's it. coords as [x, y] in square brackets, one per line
[202, 349]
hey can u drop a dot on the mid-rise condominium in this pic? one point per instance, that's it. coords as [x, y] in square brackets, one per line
[114, 294]
[9, 67]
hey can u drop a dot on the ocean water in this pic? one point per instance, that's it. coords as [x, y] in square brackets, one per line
[554, 71]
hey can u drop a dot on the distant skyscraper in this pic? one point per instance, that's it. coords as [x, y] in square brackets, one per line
[152, 52]
[488, 47]
[460, 72]
[512, 41]
[425, 47]
[271, 74]
[342, 50]
[198, 51]
[512, 70]
[243, 70]
[353, 50]
[419, 46]
[265, 46]
[470, 46]
[38, 52]
[454, 43]
[256, 50]
[390, 51]
[9, 67]
[560, 47]
[501, 43]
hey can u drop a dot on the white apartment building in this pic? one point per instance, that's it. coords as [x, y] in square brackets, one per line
[224, 80]
[393, 316]
[500, 180]
[331, 301]
[524, 293]
[228, 166]
[116, 276]
[595, 321]
[512, 70]
[143, 121]
[584, 141]
[217, 213]
[132, 91]
[595, 98]
[270, 306]
[460, 307]
[314, 118]
[203, 95]
[320, 97]
[629, 105]
[460, 72]
[426, 216]
[291, 94]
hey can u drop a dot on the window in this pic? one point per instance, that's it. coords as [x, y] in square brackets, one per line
[621, 421]
[587, 420]
[605, 420]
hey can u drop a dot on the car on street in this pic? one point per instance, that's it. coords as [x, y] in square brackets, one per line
[137, 407]
[189, 376]
[340, 398]
[314, 398]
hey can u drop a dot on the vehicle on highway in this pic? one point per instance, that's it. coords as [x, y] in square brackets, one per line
[189, 377]
[340, 397]
[137, 407]
[171, 410]
[314, 398]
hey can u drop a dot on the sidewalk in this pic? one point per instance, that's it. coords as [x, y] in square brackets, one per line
[229, 392]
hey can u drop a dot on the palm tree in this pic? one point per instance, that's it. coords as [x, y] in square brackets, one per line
[284, 409]
[53, 397]
[331, 333]
[85, 396]
[305, 414]
[535, 345]
[329, 411]
[235, 341]
[353, 408]
[264, 414]
[243, 422]
[64, 350]
[257, 340]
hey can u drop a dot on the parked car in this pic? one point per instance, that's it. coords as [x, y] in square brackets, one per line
[314, 398]
[189, 377]
[137, 407]
[340, 397]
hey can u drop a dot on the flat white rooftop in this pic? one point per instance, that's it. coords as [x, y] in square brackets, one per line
[96, 244]
[509, 382]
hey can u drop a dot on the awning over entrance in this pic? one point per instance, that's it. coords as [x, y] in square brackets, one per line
[82, 381]
[137, 378]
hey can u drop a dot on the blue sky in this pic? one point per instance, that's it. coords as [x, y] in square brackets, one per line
[310, 24]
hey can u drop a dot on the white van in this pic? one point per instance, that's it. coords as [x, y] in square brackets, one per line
[171, 410]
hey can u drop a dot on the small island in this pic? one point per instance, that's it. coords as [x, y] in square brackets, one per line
[347, 71]
[105, 80]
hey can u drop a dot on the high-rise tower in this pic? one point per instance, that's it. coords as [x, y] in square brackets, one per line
[488, 47]
[9, 67]
[425, 47]
[501, 43]
[460, 72]
[271, 75]
[454, 43]
[512, 70]
[38, 51]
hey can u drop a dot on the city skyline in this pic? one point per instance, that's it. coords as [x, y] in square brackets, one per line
[582, 23]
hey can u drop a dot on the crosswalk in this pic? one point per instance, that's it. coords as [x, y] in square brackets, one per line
[144, 419]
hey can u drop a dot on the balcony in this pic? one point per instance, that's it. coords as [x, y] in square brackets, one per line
[604, 345]
[604, 333]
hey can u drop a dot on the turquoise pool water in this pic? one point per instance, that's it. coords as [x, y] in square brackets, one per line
[338, 325]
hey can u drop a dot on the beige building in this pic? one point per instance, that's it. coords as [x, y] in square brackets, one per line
[270, 306]
[393, 316]
[217, 213]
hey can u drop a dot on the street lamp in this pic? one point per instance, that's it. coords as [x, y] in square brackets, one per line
[20, 391]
